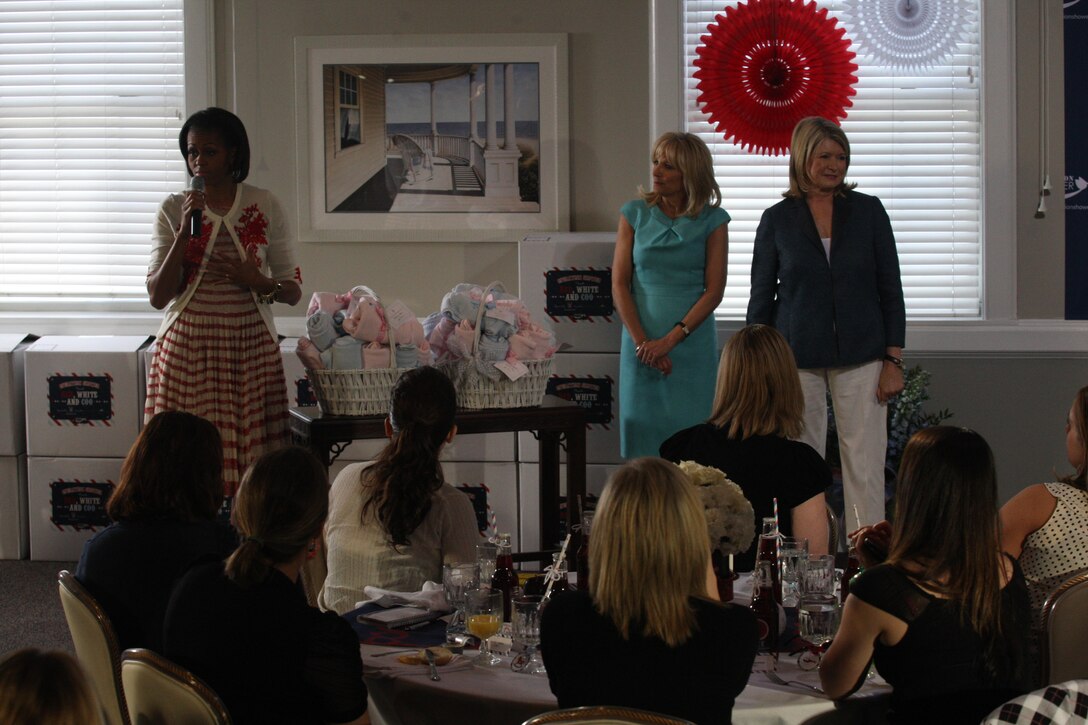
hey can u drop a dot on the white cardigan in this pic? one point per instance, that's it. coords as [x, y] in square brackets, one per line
[273, 244]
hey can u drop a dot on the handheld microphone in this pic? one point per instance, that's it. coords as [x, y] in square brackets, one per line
[196, 219]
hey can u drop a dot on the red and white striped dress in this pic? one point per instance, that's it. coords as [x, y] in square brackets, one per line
[219, 361]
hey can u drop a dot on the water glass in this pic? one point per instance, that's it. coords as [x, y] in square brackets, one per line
[793, 559]
[526, 631]
[820, 577]
[819, 619]
[486, 555]
[456, 580]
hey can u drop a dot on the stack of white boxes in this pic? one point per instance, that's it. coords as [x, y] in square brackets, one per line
[14, 537]
[566, 279]
[83, 412]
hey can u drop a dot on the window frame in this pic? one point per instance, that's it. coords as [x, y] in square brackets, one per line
[999, 329]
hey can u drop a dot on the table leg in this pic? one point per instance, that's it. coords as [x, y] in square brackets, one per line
[576, 473]
[549, 489]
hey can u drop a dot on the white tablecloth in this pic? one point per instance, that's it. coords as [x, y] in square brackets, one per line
[404, 695]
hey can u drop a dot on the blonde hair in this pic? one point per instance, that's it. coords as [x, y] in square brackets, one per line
[809, 133]
[758, 391]
[648, 551]
[688, 153]
[45, 688]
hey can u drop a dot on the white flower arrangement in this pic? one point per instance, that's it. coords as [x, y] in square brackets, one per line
[730, 519]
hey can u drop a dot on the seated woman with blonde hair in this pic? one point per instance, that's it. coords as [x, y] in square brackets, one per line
[650, 612]
[758, 407]
[244, 625]
[46, 688]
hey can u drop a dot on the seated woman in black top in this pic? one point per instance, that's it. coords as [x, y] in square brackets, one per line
[245, 628]
[758, 407]
[946, 616]
[649, 615]
[164, 519]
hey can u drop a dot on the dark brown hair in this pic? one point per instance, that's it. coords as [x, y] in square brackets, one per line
[281, 506]
[1080, 424]
[173, 470]
[397, 488]
[229, 127]
[45, 688]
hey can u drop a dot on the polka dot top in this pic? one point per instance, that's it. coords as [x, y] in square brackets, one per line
[1059, 548]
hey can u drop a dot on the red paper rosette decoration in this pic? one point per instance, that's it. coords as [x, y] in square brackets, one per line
[767, 64]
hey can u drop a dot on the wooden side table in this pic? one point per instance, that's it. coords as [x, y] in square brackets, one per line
[555, 422]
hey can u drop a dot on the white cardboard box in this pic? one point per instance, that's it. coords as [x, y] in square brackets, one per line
[566, 279]
[592, 381]
[529, 492]
[501, 481]
[14, 535]
[83, 395]
[67, 503]
[12, 401]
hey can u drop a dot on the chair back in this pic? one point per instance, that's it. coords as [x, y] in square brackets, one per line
[1064, 646]
[606, 715]
[96, 646]
[160, 692]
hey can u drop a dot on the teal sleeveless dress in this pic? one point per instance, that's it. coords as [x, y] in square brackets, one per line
[669, 260]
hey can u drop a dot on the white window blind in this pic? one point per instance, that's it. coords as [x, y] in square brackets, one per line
[915, 140]
[91, 99]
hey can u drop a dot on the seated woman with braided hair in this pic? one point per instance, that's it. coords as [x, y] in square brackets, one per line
[244, 626]
[393, 523]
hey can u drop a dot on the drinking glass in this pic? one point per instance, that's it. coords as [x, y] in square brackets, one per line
[483, 617]
[486, 555]
[527, 634]
[793, 558]
[820, 576]
[818, 616]
[456, 580]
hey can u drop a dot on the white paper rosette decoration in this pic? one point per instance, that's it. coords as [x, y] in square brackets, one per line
[908, 34]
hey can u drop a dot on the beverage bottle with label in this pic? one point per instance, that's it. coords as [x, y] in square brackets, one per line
[853, 568]
[765, 607]
[768, 552]
[582, 557]
[559, 569]
[505, 578]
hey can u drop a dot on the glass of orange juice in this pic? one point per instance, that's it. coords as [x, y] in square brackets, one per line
[483, 619]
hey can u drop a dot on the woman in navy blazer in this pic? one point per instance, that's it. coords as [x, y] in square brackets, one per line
[825, 273]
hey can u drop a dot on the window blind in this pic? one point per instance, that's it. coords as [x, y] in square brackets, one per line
[91, 100]
[915, 140]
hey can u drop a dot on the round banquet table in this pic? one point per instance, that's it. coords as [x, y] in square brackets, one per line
[405, 695]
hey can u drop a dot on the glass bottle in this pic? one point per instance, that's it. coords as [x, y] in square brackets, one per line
[582, 557]
[768, 552]
[765, 607]
[505, 578]
[559, 567]
[853, 568]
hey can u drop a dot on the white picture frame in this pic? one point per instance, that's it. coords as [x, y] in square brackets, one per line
[341, 183]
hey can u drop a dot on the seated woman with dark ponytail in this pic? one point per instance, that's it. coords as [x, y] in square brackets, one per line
[244, 626]
[394, 522]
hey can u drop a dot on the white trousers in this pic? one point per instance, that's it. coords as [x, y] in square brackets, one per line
[862, 423]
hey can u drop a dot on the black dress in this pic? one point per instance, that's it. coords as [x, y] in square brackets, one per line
[764, 467]
[130, 567]
[942, 671]
[589, 663]
[268, 654]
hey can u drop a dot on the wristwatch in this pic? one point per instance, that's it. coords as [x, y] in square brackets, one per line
[896, 361]
[270, 297]
[683, 328]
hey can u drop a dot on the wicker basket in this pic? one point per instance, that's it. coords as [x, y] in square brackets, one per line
[357, 392]
[476, 391]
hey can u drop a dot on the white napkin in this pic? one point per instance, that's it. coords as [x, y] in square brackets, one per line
[432, 598]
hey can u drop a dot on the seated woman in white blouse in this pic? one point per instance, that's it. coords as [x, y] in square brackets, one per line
[394, 522]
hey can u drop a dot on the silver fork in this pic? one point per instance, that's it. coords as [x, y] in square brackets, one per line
[773, 677]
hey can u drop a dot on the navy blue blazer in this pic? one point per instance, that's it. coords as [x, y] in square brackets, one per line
[837, 313]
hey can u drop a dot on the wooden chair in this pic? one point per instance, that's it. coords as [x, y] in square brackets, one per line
[96, 644]
[605, 715]
[159, 692]
[1064, 645]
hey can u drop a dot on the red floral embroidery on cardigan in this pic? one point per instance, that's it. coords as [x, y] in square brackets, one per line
[194, 252]
[251, 227]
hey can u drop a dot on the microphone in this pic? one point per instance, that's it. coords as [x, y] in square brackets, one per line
[196, 219]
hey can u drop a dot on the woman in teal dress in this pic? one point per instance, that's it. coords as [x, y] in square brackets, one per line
[668, 277]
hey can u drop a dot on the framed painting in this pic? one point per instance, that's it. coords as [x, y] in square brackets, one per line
[431, 137]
